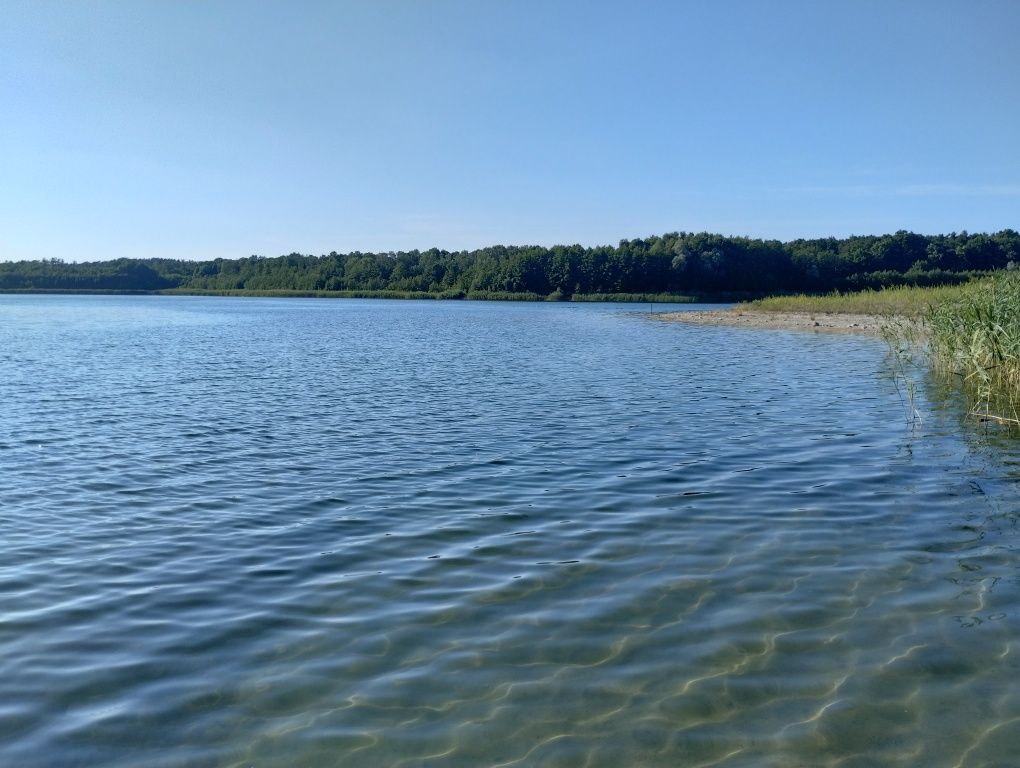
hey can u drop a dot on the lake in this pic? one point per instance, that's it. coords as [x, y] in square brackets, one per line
[261, 532]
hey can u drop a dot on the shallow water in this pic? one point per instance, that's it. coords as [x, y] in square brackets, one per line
[255, 532]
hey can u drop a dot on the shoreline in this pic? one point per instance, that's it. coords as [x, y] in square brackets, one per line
[450, 295]
[816, 322]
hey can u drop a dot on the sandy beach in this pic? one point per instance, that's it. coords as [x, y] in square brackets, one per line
[817, 322]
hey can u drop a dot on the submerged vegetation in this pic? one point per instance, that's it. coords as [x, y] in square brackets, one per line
[674, 264]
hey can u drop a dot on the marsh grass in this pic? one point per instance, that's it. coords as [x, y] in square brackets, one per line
[904, 336]
[658, 298]
[450, 294]
[908, 302]
[286, 293]
[975, 337]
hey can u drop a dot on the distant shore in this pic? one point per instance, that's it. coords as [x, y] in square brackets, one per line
[818, 322]
[450, 295]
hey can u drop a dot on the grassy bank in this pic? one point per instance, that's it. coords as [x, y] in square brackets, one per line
[79, 291]
[907, 301]
[282, 293]
[647, 298]
[661, 298]
[286, 293]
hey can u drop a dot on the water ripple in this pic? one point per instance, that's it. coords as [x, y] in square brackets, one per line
[263, 532]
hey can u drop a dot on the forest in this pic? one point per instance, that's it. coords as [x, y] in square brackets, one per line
[678, 263]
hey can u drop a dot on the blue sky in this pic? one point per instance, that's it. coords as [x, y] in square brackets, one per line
[193, 129]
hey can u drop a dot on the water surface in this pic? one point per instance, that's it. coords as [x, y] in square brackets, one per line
[256, 532]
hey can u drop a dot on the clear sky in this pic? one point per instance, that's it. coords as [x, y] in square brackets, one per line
[202, 128]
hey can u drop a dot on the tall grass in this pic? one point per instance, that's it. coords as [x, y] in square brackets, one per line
[976, 336]
[288, 293]
[452, 293]
[659, 298]
[903, 301]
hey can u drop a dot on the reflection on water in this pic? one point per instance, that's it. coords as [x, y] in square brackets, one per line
[289, 532]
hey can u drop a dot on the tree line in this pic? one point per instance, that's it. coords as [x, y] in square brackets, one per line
[700, 264]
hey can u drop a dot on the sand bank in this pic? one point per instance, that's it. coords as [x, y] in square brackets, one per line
[818, 322]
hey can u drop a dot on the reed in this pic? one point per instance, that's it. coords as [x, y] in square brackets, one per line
[975, 337]
[911, 302]
[287, 293]
[658, 298]
[452, 293]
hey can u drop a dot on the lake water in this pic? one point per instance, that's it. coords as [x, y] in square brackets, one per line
[256, 532]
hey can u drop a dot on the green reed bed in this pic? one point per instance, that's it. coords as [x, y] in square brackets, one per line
[657, 298]
[453, 293]
[286, 293]
[976, 336]
[910, 302]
